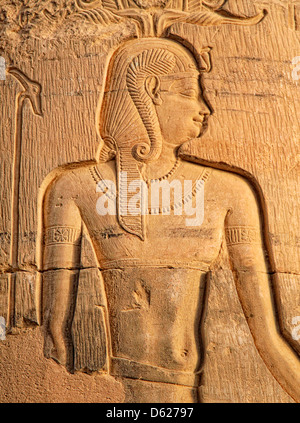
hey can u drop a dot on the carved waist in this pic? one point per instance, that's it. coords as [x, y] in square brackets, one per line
[132, 369]
[131, 262]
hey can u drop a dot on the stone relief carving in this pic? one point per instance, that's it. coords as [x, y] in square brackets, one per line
[162, 13]
[146, 297]
[294, 16]
[31, 92]
[152, 296]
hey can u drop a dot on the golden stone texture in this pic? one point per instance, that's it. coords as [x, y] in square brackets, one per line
[101, 101]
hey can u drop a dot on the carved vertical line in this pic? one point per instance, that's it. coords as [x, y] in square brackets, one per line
[16, 182]
[14, 244]
[11, 301]
[105, 314]
[292, 21]
[293, 16]
[31, 91]
[296, 17]
[4, 299]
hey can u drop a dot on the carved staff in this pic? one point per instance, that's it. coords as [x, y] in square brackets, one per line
[31, 91]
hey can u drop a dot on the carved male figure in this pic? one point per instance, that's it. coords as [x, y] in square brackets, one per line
[155, 267]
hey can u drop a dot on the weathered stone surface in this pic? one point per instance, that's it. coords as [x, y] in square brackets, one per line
[150, 306]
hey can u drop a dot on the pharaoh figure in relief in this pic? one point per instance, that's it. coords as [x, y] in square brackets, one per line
[154, 265]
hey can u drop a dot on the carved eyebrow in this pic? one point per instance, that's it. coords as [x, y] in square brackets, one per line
[185, 84]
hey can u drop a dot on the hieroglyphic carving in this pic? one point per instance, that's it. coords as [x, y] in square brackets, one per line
[62, 235]
[31, 91]
[113, 234]
[242, 235]
[152, 94]
[30, 13]
[163, 14]
[4, 297]
[294, 16]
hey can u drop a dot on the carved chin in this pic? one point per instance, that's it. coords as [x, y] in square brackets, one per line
[203, 128]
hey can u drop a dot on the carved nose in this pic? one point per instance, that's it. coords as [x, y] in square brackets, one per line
[204, 112]
[204, 108]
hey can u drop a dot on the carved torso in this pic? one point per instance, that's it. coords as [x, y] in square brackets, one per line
[199, 245]
[155, 287]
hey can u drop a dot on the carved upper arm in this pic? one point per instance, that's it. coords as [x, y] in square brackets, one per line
[62, 226]
[244, 228]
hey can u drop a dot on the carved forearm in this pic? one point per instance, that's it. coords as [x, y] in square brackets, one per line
[282, 361]
[60, 287]
[256, 298]
[62, 247]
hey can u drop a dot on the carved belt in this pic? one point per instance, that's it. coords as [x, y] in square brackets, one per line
[124, 263]
[134, 370]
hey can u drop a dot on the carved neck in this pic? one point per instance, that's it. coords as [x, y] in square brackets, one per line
[161, 166]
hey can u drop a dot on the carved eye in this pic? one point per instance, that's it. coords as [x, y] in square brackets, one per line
[189, 93]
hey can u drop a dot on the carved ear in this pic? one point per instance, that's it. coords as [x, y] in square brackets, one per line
[152, 87]
[205, 60]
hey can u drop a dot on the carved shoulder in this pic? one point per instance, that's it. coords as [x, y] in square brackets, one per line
[234, 190]
[59, 202]
[62, 224]
[245, 217]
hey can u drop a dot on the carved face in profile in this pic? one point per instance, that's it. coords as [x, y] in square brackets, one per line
[152, 95]
[182, 110]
